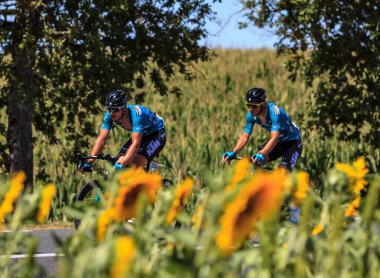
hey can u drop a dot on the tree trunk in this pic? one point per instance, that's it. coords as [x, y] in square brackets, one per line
[20, 116]
[21, 91]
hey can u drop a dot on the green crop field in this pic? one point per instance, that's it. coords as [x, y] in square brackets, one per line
[206, 120]
[220, 222]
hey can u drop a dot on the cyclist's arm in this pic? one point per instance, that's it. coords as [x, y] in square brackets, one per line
[132, 150]
[242, 142]
[274, 136]
[99, 143]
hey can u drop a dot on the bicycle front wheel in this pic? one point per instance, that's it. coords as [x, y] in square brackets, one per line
[91, 195]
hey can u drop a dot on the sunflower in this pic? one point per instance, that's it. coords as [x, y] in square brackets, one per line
[105, 219]
[317, 230]
[259, 197]
[125, 250]
[130, 191]
[126, 201]
[356, 174]
[17, 185]
[48, 193]
[302, 187]
[352, 208]
[241, 171]
[180, 199]
[131, 172]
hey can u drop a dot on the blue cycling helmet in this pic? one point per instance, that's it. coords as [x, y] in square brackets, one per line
[116, 98]
[255, 95]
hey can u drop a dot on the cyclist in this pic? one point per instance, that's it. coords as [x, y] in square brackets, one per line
[285, 138]
[148, 132]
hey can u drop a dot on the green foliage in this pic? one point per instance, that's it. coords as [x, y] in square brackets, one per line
[336, 44]
[59, 58]
[343, 246]
[283, 249]
[208, 118]
[202, 123]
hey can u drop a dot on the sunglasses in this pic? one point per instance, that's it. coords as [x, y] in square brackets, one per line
[254, 105]
[114, 109]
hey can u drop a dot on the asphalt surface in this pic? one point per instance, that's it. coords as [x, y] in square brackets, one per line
[46, 255]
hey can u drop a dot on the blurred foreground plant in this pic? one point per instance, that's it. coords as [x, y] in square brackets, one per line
[17, 209]
[230, 226]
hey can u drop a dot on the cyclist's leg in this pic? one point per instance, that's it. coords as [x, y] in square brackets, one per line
[289, 160]
[150, 147]
[277, 151]
[291, 155]
[139, 161]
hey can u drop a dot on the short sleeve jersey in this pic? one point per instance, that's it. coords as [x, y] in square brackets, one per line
[276, 120]
[142, 120]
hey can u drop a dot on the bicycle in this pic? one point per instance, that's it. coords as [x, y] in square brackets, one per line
[91, 194]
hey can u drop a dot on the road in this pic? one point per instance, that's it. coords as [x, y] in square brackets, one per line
[46, 254]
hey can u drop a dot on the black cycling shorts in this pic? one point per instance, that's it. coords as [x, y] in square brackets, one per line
[289, 151]
[151, 145]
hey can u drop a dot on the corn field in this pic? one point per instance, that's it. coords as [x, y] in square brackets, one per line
[214, 222]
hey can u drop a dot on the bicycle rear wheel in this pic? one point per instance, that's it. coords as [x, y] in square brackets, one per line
[91, 195]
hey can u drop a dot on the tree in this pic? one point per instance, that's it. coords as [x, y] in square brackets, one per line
[337, 44]
[58, 58]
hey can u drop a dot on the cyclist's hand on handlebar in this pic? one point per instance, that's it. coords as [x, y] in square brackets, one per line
[258, 158]
[227, 156]
[119, 167]
[86, 167]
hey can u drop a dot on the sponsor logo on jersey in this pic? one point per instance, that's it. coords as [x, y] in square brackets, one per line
[276, 110]
[138, 110]
[153, 120]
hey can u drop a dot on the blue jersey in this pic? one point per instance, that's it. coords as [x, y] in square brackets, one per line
[141, 118]
[276, 120]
